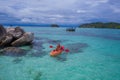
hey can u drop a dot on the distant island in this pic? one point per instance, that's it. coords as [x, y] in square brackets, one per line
[54, 25]
[112, 25]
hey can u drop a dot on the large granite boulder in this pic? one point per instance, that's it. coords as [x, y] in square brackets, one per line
[25, 39]
[10, 37]
[15, 32]
[2, 32]
[14, 36]
[6, 40]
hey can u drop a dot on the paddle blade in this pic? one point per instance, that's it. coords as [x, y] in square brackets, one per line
[51, 46]
[67, 50]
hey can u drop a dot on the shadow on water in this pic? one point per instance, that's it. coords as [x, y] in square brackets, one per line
[61, 58]
[17, 60]
[13, 52]
[37, 49]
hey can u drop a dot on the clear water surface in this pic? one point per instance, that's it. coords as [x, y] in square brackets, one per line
[94, 55]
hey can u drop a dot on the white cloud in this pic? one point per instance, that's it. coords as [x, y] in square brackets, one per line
[25, 20]
[81, 11]
[41, 11]
[115, 9]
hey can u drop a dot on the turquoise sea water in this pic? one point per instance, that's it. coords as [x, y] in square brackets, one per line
[94, 55]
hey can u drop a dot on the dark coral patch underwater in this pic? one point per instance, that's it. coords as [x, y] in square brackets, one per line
[17, 60]
[77, 47]
[47, 40]
[13, 51]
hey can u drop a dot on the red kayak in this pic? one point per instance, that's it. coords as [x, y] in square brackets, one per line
[55, 52]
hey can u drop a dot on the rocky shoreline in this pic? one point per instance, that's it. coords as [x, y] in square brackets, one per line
[12, 38]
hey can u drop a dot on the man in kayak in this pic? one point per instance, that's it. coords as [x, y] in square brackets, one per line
[56, 51]
[59, 47]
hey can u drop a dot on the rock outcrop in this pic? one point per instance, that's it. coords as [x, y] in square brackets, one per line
[54, 25]
[15, 32]
[6, 40]
[14, 37]
[25, 39]
[2, 32]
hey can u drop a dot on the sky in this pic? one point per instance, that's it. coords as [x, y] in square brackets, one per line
[59, 11]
